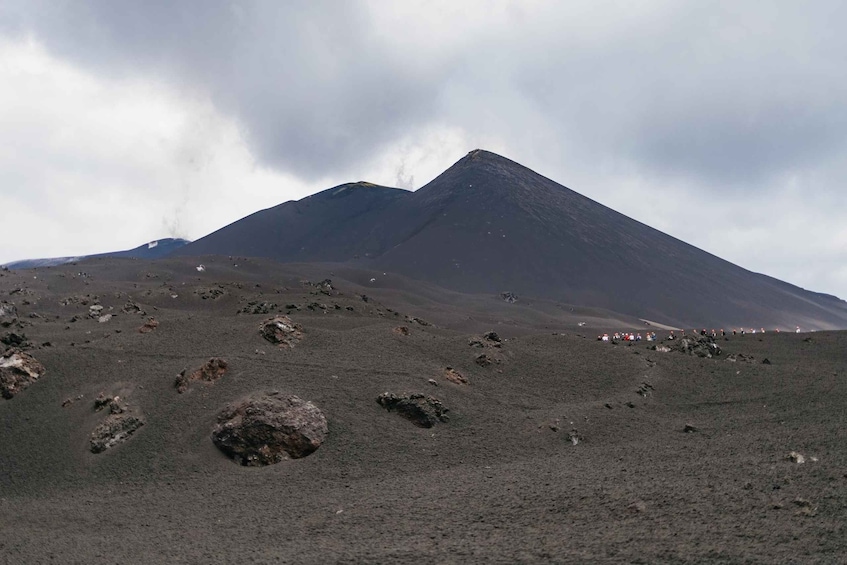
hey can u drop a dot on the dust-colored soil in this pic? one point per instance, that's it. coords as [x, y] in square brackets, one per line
[562, 449]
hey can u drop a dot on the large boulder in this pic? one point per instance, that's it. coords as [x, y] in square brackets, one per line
[267, 428]
[18, 370]
[422, 410]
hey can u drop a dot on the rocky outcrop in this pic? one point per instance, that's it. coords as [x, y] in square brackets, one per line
[18, 370]
[209, 372]
[484, 360]
[699, 345]
[210, 293]
[8, 314]
[256, 307]
[269, 427]
[150, 325]
[455, 376]
[281, 331]
[323, 287]
[132, 308]
[115, 429]
[13, 339]
[422, 410]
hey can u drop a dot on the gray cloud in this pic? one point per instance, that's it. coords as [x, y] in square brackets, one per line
[727, 92]
[311, 83]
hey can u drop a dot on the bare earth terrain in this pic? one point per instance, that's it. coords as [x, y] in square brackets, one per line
[555, 447]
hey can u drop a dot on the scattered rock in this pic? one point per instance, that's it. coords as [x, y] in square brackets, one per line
[68, 401]
[94, 311]
[699, 345]
[645, 389]
[433, 382]
[280, 330]
[455, 376]
[323, 287]
[115, 429]
[209, 372]
[150, 325]
[256, 307]
[423, 411]
[268, 428]
[13, 339]
[574, 437]
[491, 336]
[105, 318]
[483, 360]
[796, 457]
[83, 300]
[690, 429]
[637, 507]
[103, 400]
[806, 508]
[401, 330]
[415, 320]
[736, 357]
[766, 361]
[18, 370]
[210, 293]
[8, 314]
[133, 308]
[553, 425]
[509, 297]
[661, 348]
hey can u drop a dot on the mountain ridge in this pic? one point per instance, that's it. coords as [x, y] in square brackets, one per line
[488, 224]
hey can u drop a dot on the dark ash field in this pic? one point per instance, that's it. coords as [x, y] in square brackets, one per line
[557, 449]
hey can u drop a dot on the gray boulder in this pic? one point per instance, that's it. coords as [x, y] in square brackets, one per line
[18, 370]
[269, 427]
[422, 410]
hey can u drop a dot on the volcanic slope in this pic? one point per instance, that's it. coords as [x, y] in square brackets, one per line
[153, 250]
[488, 224]
[556, 449]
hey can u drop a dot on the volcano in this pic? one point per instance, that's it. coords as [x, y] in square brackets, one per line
[490, 225]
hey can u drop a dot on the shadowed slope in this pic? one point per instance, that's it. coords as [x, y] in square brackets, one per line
[152, 250]
[333, 225]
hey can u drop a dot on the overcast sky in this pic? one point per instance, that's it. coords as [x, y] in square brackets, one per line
[721, 123]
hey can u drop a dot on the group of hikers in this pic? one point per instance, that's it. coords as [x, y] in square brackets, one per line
[651, 336]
